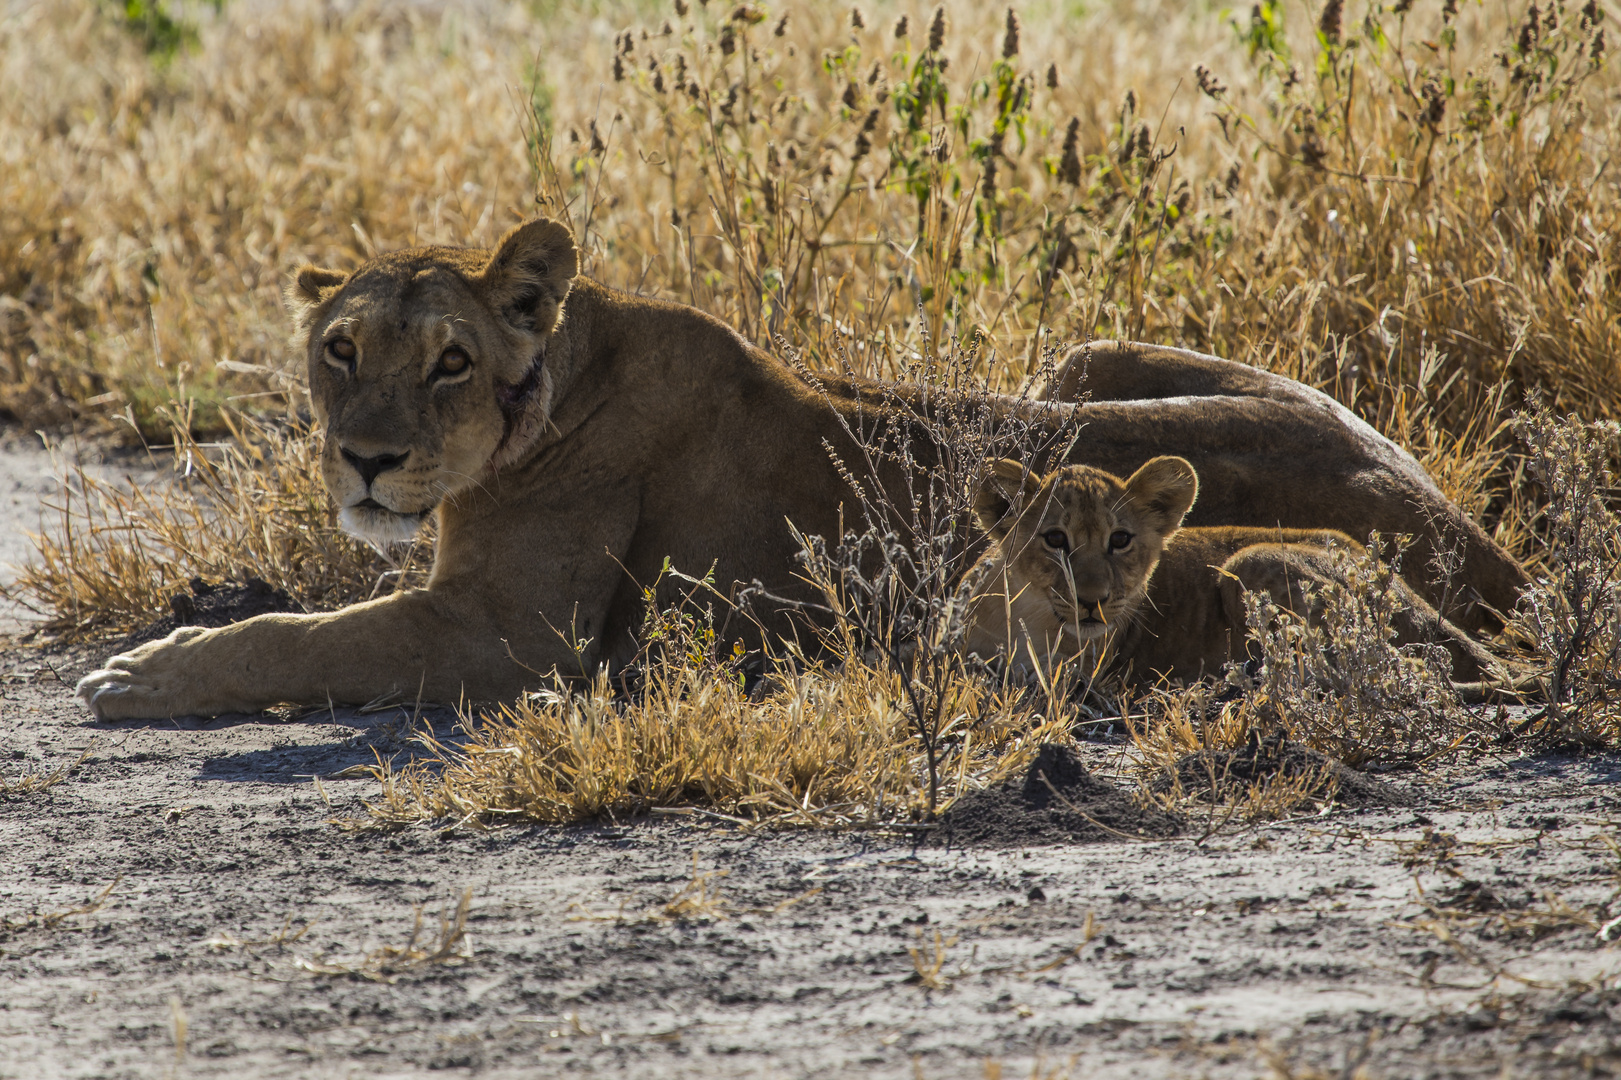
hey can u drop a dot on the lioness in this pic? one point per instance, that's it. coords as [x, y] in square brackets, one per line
[1085, 565]
[571, 438]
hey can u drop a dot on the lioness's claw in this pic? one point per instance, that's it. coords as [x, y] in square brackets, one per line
[101, 684]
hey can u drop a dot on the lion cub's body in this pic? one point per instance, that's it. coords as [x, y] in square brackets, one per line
[1166, 604]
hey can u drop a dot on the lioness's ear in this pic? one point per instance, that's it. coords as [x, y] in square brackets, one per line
[310, 288]
[1163, 490]
[529, 276]
[1004, 490]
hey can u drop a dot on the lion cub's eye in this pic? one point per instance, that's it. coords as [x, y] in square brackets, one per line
[452, 361]
[340, 353]
[1119, 540]
[1055, 539]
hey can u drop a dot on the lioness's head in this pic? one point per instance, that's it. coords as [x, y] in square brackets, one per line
[1079, 544]
[428, 369]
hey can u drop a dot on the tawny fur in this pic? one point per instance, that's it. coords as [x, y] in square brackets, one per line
[594, 434]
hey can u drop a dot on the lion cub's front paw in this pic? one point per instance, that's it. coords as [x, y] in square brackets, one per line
[151, 682]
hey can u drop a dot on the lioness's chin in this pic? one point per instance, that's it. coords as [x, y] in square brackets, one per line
[376, 525]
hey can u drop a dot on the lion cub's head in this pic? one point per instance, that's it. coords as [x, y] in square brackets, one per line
[428, 368]
[1076, 547]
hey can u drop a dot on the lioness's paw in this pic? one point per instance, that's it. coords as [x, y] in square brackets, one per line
[150, 682]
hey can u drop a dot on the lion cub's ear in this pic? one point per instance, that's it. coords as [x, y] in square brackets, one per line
[311, 287]
[1006, 488]
[530, 273]
[1163, 490]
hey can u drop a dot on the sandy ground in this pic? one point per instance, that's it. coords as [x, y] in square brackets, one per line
[244, 932]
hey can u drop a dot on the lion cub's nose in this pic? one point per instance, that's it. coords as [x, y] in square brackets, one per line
[370, 468]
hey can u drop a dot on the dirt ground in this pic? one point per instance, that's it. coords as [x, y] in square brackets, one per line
[245, 934]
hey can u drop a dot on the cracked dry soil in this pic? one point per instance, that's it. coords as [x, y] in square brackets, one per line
[237, 911]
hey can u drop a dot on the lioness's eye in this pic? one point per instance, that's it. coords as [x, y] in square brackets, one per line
[452, 361]
[1119, 540]
[341, 351]
[1055, 539]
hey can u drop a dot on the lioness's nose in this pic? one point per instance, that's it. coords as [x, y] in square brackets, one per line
[370, 468]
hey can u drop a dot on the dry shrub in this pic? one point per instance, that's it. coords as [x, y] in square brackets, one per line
[1338, 682]
[1188, 741]
[1335, 682]
[253, 506]
[1571, 613]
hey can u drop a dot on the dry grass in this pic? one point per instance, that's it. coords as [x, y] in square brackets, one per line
[50, 920]
[929, 961]
[700, 899]
[818, 748]
[447, 945]
[841, 187]
[1415, 212]
[32, 783]
[251, 506]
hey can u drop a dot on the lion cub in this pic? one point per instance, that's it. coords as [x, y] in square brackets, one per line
[1085, 562]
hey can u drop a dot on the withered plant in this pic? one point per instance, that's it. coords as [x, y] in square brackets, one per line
[888, 586]
[815, 743]
[1571, 613]
[1338, 682]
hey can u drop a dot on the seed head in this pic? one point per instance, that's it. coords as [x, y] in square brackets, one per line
[864, 139]
[850, 95]
[598, 147]
[903, 27]
[988, 184]
[1052, 76]
[1435, 103]
[781, 28]
[1530, 30]
[1402, 7]
[619, 68]
[728, 39]
[1329, 24]
[658, 81]
[1449, 8]
[937, 29]
[1069, 166]
[1209, 85]
[858, 21]
[1010, 39]
[681, 10]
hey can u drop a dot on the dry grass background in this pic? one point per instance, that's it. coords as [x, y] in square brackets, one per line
[1412, 205]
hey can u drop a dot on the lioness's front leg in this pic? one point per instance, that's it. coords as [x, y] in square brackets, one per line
[415, 644]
